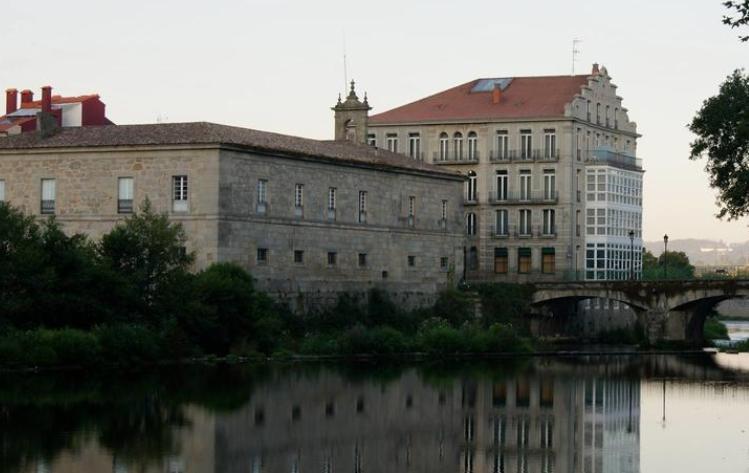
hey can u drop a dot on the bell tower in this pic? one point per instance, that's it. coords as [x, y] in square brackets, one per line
[351, 118]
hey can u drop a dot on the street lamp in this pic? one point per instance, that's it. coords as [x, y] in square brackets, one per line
[665, 254]
[632, 255]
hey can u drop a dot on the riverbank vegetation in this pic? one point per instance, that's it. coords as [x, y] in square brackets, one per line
[131, 298]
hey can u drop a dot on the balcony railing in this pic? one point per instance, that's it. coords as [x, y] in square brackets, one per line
[519, 231]
[515, 156]
[519, 198]
[450, 158]
[615, 158]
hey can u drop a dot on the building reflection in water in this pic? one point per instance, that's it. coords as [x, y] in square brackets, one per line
[554, 418]
[535, 423]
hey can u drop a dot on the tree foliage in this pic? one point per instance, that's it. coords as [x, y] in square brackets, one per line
[677, 266]
[742, 15]
[722, 129]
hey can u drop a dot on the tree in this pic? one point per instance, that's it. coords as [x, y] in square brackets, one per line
[677, 266]
[742, 9]
[722, 129]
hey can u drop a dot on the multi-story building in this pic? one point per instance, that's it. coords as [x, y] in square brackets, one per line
[553, 186]
[310, 219]
[84, 110]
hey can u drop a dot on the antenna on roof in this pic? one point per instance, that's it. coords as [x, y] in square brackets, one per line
[345, 66]
[575, 52]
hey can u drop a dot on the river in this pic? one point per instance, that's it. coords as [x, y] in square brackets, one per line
[603, 414]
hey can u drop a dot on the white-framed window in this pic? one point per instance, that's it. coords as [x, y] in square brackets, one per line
[550, 184]
[331, 198]
[550, 143]
[362, 218]
[444, 146]
[444, 210]
[502, 185]
[525, 184]
[458, 145]
[414, 145]
[525, 222]
[471, 189]
[502, 223]
[2, 190]
[503, 145]
[48, 196]
[371, 139]
[262, 191]
[125, 191]
[411, 206]
[392, 142]
[526, 144]
[473, 143]
[299, 195]
[180, 194]
[471, 226]
[549, 223]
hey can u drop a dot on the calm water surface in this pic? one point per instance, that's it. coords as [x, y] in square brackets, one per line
[589, 414]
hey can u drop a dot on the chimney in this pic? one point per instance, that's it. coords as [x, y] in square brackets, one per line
[26, 96]
[496, 94]
[47, 99]
[595, 68]
[11, 101]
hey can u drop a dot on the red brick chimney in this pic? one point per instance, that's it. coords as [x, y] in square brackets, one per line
[47, 98]
[11, 101]
[496, 94]
[27, 96]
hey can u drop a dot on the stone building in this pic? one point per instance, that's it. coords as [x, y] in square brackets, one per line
[554, 188]
[309, 219]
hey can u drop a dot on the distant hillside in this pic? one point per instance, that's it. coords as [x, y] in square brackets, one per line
[705, 252]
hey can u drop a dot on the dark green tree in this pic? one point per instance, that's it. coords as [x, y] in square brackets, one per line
[677, 266]
[742, 15]
[722, 129]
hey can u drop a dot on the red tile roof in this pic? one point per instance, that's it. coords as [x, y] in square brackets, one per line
[59, 100]
[524, 97]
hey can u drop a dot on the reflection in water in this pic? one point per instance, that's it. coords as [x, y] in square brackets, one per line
[541, 416]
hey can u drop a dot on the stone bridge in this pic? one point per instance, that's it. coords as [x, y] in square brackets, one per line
[666, 310]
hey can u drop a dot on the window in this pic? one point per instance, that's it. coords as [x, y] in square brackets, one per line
[502, 185]
[525, 222]
[502, 145]
[371, 140]
[587, 109]
[444, 144]
[598, 113]
[179, 185]
[262, 256]
[298, 256]
[48, 196]
[411, 261]
[472, 185]
[616, 118]
[500, 261]
[392, 142]
[608, 109]
[473, 142]
[411, 206]
[550, 143]
[458, 146]
[444, 262]
[550, 185]
[125, 195]
[299, 195]
[548, 260]
[362, 260]
[262, 196]
[502, 222]
[525, 185]
[526, 144]
[524, 260]
[414, 145]
[332, 258]
[2, 190]
[362, 206]
[549, 225]
[444, 210]
[471, 224]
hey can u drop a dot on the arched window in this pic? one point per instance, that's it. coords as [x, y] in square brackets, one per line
[598, 113]
[444, 144]
[616, 118]
[471, 224]
[471, 187]
[608, 122]
[458, 145]
[473, 141]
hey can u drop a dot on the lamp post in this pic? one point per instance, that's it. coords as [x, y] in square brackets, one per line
[632, 254]
[665, 254]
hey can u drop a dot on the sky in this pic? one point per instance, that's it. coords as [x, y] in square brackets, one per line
[277, 65]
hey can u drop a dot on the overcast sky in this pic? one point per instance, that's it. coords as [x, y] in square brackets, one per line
[277, 65]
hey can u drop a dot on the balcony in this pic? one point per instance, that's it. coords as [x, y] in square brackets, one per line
[520, 198]
[450, 158]
[499, 232]
[614, 158]
[548, 155]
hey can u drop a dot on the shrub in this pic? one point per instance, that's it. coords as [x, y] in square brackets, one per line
[438, 337]
[455, 307]
[320, 345]
[715, 329]
[127, 344]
